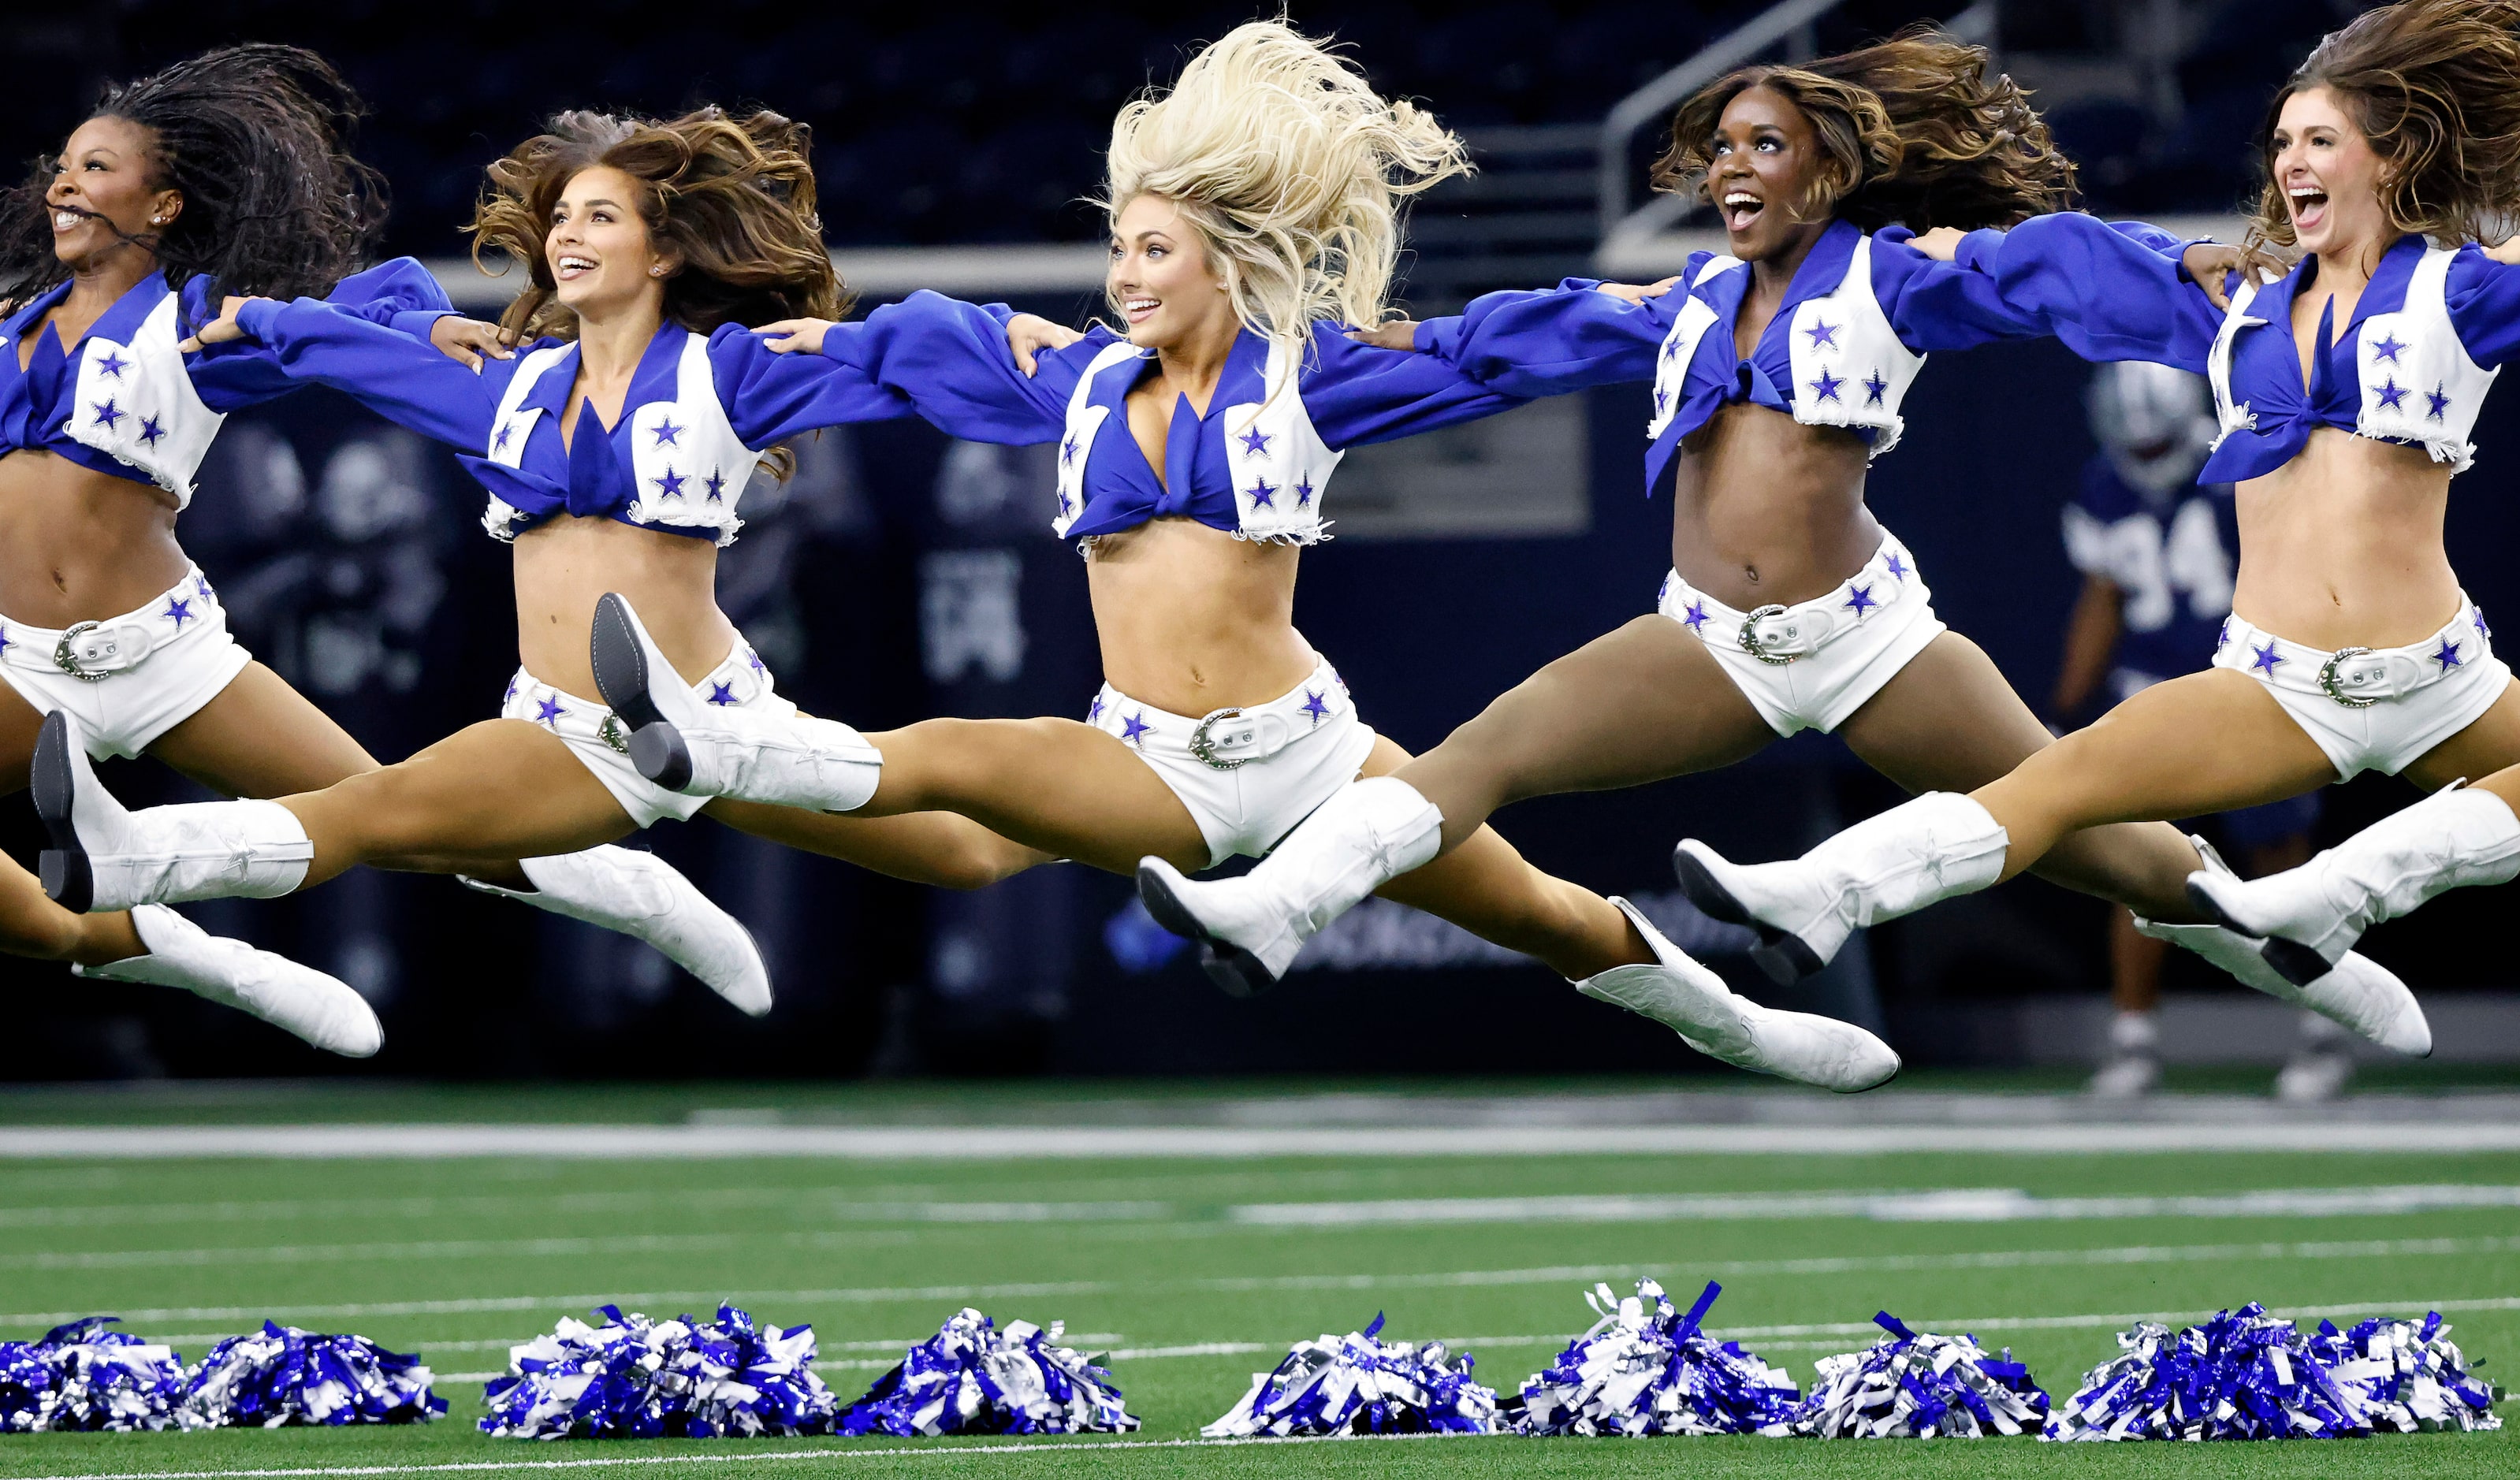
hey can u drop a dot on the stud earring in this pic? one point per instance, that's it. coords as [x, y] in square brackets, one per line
[655, 272]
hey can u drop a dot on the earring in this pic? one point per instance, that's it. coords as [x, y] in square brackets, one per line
[655, 272]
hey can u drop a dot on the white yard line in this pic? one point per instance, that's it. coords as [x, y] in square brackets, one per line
[1034, 1143]
[762, 1301]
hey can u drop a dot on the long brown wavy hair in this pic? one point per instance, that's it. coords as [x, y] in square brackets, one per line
[731, 199]
[1912, 130]
[2435, 87]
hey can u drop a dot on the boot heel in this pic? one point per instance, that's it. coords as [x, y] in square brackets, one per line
[63, 867]
[659, 752]
[1235, 971]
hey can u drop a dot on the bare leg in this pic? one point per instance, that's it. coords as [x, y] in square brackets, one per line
[1491, 891]
[498, 790]
[259, 738]
[940, 848]
[2135, 965]
[2145, 760]
[2488, 749]
[1638, 705]
[1053, 784]
[1949, 721]
[30, 924]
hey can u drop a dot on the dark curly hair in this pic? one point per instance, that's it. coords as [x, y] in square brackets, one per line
[257, 138]
[1912, 130]
[2435, 87]
[733, 199]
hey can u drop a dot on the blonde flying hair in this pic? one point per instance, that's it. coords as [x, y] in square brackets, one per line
[1292, 171]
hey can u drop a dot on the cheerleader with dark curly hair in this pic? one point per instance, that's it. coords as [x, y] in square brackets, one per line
[1778, 368]
[2346, 389]
[227, 174]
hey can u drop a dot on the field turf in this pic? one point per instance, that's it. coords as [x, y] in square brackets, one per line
[1148, 1259]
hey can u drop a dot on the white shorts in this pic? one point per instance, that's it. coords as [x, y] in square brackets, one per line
[2387, 710]
[138, 675]
[603, 746]
[1809, 666]
[1302, 747]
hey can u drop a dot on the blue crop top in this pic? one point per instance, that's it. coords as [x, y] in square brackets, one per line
[2428, 335]
[699, 412]
[1255, 465]
[1841, 349]
[124, 401]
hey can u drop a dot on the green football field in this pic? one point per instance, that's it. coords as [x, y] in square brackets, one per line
[1195, 1272]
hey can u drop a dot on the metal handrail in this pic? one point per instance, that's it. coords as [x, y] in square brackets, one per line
[1743, 44]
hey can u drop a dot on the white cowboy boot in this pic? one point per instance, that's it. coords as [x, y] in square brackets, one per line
[2310, 916]
[757, 754]
[2363, 996]
[1692, 1001]
[647, 898]
[1249, 928]
[105, 857]
[1922, 851]
[297, 999]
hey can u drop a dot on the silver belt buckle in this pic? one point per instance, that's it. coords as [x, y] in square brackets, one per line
[71, 656]
[1753, 644]
[1210, 747]
[2332, 682]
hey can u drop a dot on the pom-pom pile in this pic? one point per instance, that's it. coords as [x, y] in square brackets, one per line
[973, 1378]
[636, 1378]
[2243, 1374]
[2407, 1374]
[83, 1377]
[1921, 1385]
[281, 1375]
[1361, 1384]
[1645, 1367]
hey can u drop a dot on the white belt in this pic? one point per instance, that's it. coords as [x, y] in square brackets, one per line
[96, 651]
[1781, 634]
[2359, 677]
[1231, 738]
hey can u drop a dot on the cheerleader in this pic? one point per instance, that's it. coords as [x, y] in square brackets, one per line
[1253, 214]
[616, 444]
[1779, 370]
[2346, 390]
[229, 171]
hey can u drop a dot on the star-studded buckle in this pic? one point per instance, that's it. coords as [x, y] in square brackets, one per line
[69, 661]
[1204, 746]
[1751, 644]
[2327, 678]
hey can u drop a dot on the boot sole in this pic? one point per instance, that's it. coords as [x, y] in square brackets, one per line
[656, 746]
[2294, 961]
[1781, 954]
[63, 867]
[1234, 970]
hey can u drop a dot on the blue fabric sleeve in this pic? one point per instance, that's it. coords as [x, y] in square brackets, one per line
[1356, 393]
[2107, 294]
[771, 396]
[402, 378]
[1556, 339]
[2484, 299]
[952, 362]
[242, 372]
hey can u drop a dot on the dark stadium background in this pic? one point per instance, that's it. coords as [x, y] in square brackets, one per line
[367, 582]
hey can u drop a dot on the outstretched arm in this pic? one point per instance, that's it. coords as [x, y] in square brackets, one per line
[2106, 293]
[982, 371]
[1575, 335]
[403, 379]
[2483, 293]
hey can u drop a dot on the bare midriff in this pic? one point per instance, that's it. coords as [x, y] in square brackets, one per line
[2342, 546]
[80, 546]
[566, 564]
[1194, 620]
[1768, 511]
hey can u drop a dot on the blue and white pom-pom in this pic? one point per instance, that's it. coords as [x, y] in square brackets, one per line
[973, 1378]
[636, 1378]
[2407, 1376]
[81, 1377]
[1921, 1385]
[2243, 1374]
[1361, 1384]
[281, 1375]
[1645, 1368]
